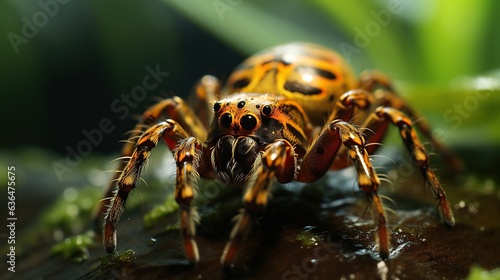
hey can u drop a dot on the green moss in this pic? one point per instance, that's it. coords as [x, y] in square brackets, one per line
[70, 213]
[307, 239]
[110, 260]
[160, 211]
[75, 248]
[125, 256]
[477, 273]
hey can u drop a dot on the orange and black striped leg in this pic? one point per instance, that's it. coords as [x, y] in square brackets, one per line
[379, 121]
[207, 91]
[392, 100]
[168, 130]
[349, 102]
[277, 161]
[387, 97]
[177, 110]
[187, 157]
[323, 152]
[369, 80]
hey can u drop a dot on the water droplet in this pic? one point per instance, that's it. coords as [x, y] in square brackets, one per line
[382, 270]
[473, 207]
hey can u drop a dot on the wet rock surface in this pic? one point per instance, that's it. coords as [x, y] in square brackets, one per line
[319, 231]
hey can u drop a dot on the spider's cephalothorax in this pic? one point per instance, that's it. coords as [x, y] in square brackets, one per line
[289, 113]
[244, 124]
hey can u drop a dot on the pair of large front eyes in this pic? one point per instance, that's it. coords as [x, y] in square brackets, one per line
[247, 122]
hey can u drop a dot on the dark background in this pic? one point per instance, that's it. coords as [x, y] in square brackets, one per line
[67, 80]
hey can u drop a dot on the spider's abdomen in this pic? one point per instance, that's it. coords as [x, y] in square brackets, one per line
[312, 75]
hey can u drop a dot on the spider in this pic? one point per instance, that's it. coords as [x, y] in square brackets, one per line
[291, 112]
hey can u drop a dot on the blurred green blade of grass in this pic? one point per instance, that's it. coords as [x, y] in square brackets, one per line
[451, 37]
[463, 115]
[377, 29]
[250, 26]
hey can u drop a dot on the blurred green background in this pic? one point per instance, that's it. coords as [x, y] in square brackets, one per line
[64, 64]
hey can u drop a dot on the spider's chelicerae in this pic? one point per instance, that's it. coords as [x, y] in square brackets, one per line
[291, 112]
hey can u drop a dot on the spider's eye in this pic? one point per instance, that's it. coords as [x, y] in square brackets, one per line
[241, 104]
[217, 107]
[226, 120]
[267, 110]
[248, 122]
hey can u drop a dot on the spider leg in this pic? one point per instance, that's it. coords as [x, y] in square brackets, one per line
[348, 102]
[322, 153]
[379, 120]
[187, 157]
[207, 90]
[369, 80]
[177, 110]
[349, 105]
[187, 154]
[277, 161]
[389, 98]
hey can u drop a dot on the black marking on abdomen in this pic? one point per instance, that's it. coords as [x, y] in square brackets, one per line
[241, 83]
[295, 86]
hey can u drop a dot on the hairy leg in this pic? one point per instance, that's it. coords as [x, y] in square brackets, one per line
[187, 154]
[177, 110]
[278, 160]
[388, 97]
[384, 116]
[322, 153]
